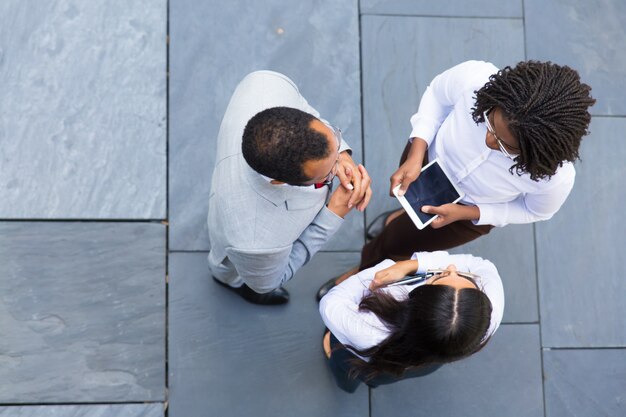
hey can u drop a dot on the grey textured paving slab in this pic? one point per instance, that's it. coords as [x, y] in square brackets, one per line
[117, 410]
[401, 55]
[299, 39]
[82, 110]
[231, 358]
[582, 383]
[587, 35]
[82, 312]
[580, 250]
[512, 250]
[504, 379]
[482, 8]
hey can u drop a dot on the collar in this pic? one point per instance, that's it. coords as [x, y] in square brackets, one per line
[292, 196]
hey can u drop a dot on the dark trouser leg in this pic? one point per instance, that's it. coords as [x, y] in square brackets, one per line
[400, 239]
[339, 364]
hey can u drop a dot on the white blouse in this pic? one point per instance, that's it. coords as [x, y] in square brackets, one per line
[340, 307]
[445, 122]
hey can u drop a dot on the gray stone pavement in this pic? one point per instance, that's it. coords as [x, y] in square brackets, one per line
[106, 304]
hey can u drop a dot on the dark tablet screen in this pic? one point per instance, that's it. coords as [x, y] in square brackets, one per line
[432, 188]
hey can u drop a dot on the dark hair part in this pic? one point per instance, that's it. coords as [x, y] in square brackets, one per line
[277, 141]
[435, 324]
[546, 107]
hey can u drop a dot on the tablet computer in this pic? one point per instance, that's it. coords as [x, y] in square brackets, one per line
[432, 188]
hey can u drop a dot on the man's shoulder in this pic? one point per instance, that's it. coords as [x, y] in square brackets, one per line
[272, 77]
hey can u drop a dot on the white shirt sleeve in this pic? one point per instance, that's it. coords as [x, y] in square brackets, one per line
[340, 311]
[442, 93]
[531, 207]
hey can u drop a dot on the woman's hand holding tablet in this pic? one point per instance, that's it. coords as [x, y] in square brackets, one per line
[450, 213]
[433, 188]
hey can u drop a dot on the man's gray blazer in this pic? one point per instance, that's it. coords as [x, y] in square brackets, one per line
[262, 233]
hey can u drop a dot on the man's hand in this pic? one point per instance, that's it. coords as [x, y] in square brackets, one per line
[449, 213]
[393, 273]
[410, 169]
[341, 197]
[353, 179]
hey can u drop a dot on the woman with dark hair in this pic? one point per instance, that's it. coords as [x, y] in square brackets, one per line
[405, 319]
[508, 138]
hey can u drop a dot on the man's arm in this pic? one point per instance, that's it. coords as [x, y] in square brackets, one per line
[266, 269]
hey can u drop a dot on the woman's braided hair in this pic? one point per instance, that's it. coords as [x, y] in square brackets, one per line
[546, 107]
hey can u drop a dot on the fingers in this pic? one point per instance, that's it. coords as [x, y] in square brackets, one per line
[366, 200]
[395, 179]
[358, 190]
[338, 202]
[345, 175]
[366, 183]
[403, 176]
[438, 222]
[433, 210]
[378, 280]
[406, 181]
[443, 218]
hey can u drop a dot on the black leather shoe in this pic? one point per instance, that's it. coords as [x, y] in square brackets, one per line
[377, 225]
[274, 297]
[325, 288]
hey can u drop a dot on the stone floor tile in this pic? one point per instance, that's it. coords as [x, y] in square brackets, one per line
[504, 379]
[587, 35]
[208, 60]
[231, 358]
[580, 250]
[82, 312]
[583, 383]
[82, 125]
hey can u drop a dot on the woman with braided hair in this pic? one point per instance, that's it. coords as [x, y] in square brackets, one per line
[508, 138]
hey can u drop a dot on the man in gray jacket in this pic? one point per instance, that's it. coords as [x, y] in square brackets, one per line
[275, 163]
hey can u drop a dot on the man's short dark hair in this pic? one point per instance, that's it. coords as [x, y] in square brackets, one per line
[278, 141]
[546, 107]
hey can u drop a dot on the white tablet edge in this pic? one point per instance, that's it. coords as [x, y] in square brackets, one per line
[407, 206]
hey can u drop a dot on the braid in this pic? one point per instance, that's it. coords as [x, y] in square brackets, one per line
[546, 107]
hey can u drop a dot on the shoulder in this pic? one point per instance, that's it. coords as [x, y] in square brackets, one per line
[272, 88]
[478, 71]
[563, 177]
[267, 76]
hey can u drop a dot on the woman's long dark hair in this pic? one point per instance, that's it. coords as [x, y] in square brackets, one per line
[435, 324]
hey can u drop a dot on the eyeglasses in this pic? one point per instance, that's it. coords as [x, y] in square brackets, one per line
[333, 172]
[422, 277]
[501, 143]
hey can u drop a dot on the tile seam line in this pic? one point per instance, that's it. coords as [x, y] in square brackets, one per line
[62, 404]
[361, 101]
[359, 18]
[623, 347]
[93, 220]
[166, 329]
[609, 116]
[537, 289]
[443, 16]
[208, 250]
